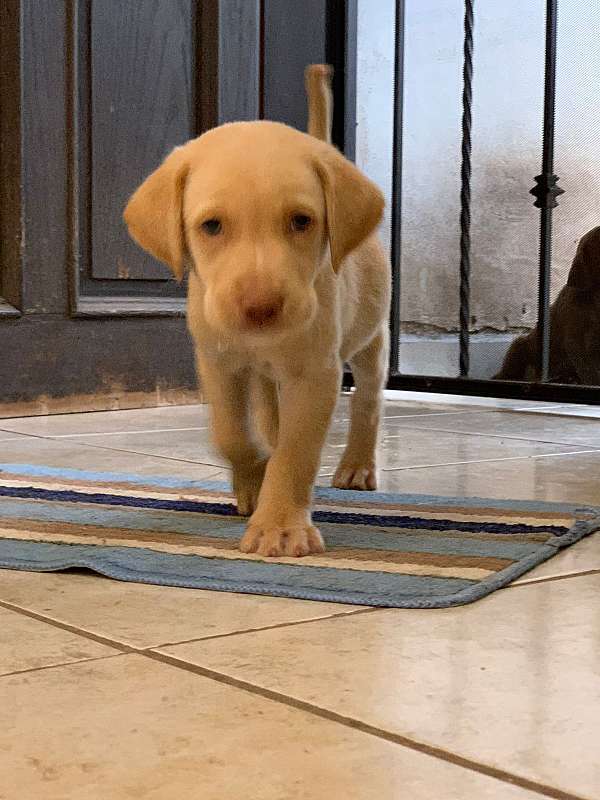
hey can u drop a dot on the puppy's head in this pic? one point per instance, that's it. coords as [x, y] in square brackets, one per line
[520, 361]
[254, 207]
[584, 275]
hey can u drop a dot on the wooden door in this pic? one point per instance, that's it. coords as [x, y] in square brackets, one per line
[94, 94]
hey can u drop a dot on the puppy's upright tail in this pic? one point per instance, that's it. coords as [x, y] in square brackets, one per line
[317, 79]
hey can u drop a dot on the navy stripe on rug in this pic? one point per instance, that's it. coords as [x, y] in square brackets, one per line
[229, 510]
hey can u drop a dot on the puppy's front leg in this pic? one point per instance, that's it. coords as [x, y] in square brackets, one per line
[232, 430]
[281, 524]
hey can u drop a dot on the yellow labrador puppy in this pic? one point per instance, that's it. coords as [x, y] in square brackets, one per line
[287, 282]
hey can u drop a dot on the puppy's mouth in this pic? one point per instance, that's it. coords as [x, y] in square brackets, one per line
[268, 328]
[275, 318]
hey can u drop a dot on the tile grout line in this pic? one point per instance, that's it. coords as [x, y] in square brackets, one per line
[363, 727]
[541, 410]
[222, 467]
[490, 436]
[217, 467]
[424, 414]
[119, 433]
[60, 664]
[19, 434]
[65, 626]
[551, 578]
[292, 702]
[427, 414]
[125, 648]
[107, 410]
[340, 615]
[488, 460]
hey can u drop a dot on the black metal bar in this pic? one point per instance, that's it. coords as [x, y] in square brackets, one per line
[350, 55]
[465, 193]
[294, 35]
[340, 24]
[475, 387]
[347, 42]
[396, 222]
[546, 191]
[261, 59]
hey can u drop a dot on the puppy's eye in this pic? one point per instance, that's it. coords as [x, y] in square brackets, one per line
[300, 222]
[212, 226]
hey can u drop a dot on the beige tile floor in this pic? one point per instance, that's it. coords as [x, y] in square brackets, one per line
[114, 690]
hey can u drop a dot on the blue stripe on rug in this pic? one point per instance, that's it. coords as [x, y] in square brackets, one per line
[229, 510]
[227, 529]
[324, 492]
[181, 570]
[391, 591]
[299, 579]
[39, 471]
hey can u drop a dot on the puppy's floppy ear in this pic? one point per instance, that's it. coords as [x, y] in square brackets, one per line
[584, 275]
[354, 204]
[154, 214]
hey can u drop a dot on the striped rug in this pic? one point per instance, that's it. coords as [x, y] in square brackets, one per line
[411, 551]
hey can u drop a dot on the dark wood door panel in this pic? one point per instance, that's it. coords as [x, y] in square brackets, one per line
[94, 93]
[141, 107]
[33, 157]
[294, 36]
[311, 32]
[45, 358]
[10, 161]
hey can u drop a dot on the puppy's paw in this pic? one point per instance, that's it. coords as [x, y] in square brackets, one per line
[282, 540]
[247, 481]
[361, 477]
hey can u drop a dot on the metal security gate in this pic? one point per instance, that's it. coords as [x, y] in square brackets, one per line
[542, 385]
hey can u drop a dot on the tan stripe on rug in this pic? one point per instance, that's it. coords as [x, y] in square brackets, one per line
[470, 568]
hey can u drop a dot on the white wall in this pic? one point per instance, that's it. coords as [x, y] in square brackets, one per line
[375, 95]
[507, 127]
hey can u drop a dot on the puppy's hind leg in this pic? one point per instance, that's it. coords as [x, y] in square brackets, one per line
[369, 368]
